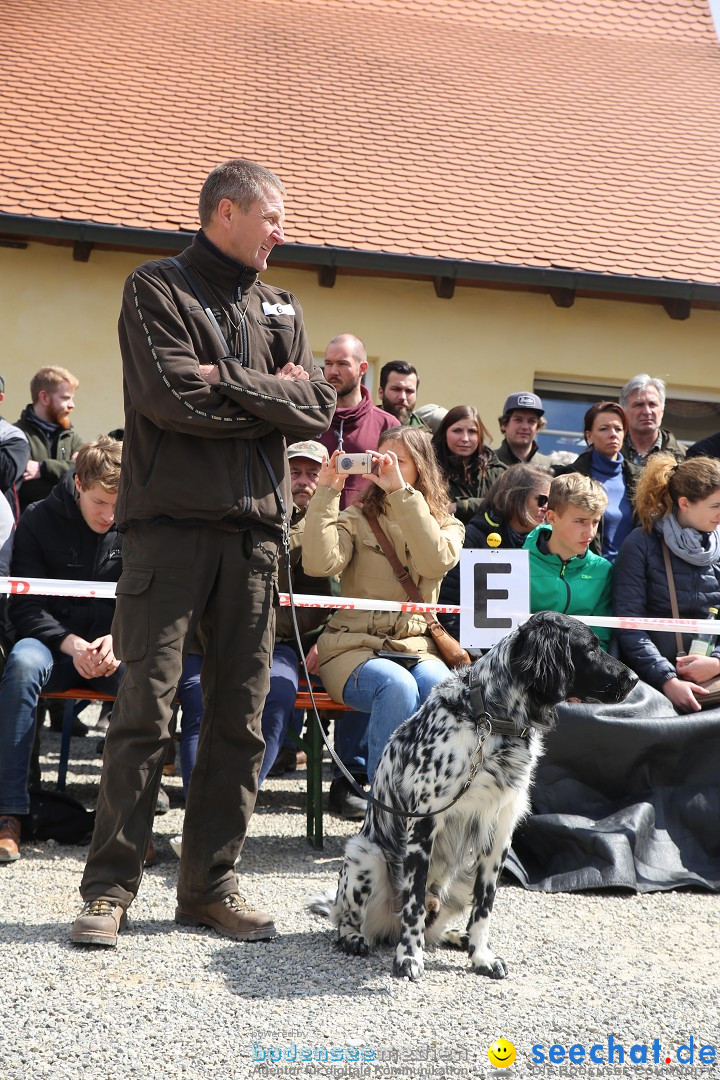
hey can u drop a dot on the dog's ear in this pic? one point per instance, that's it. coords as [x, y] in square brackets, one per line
[541, 657]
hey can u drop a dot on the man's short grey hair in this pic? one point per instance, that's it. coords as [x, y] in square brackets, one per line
[241, 181]
[642, 382]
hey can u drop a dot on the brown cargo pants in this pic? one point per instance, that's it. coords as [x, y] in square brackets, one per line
[175, 580]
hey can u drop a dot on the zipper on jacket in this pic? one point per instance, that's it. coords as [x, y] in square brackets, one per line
[246, 506]
[562, 578]
[244, 343]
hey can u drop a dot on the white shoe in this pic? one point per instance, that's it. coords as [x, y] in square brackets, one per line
[176, 845]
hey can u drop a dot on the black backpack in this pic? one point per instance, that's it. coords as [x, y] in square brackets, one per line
[57, 816]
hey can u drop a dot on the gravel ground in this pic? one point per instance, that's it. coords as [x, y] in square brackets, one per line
[186, 1004]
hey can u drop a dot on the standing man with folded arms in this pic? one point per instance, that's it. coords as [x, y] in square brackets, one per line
[217, 371]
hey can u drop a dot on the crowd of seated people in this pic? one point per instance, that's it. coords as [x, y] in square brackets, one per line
[594, 529]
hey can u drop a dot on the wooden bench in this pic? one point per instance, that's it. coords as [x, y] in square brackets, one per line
[312, 744]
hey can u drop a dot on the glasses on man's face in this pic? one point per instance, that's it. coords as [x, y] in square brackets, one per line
[542, 500]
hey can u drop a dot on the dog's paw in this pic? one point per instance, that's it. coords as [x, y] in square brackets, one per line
[409, 967]
[353, 945]
[495, 968]
[456, 939]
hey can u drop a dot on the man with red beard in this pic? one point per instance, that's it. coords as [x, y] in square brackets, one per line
[46, 422]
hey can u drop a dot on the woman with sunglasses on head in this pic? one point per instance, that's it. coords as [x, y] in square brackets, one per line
[514, 506]
[468, 464]
[605, 429]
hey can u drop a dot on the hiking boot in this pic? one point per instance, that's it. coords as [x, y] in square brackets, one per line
[103, 721]
[56, 712]
[150, 855]
[99, 922]
[163, 802]
[9, 838]
[343, 801]
[231, 916]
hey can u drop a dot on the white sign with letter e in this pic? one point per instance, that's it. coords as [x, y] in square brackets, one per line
[494, 594]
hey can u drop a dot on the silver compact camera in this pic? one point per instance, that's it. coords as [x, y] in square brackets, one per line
[362, 464]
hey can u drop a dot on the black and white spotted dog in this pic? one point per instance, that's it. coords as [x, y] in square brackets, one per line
[478, 735]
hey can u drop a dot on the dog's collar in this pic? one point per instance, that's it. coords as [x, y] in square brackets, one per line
[495, 725]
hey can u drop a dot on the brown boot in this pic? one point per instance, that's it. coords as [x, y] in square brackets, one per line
[150, 855]
[231, 916]
[9, 838]
[99, 922]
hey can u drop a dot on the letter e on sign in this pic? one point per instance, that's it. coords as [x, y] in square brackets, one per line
[494, 595]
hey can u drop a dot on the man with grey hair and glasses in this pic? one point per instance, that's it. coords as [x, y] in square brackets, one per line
[643, 399]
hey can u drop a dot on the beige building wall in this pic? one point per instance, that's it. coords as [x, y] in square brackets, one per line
[475, 348]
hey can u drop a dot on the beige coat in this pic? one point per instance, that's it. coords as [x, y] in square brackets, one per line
[342, 542]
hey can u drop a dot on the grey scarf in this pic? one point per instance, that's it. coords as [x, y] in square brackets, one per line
[698, 548]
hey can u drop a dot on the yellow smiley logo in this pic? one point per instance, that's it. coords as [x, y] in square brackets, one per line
[501, 1053]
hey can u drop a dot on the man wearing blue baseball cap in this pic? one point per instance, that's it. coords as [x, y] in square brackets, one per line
[523, 417]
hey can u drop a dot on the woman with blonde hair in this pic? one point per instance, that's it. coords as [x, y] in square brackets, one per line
[408, 498]
[677, 504]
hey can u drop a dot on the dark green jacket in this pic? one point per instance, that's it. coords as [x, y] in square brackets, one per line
[54, 453]
[668, 445]
[508, 457]
[468, 488]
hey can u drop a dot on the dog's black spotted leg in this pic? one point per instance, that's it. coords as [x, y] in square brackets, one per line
[350, 902]
[482, 958]
[409, 953]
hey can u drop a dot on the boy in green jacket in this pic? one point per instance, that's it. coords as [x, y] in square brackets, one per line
[565, 575]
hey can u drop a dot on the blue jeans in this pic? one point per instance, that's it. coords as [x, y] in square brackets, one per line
[278, 713]
[31, 668]
[351, 743]
[390, 693]
[279, 710]
[189, 694]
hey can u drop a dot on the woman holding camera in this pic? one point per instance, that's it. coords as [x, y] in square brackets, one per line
[408, 498]
[469, 466]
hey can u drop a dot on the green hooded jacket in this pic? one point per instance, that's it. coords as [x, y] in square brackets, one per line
[577, 586]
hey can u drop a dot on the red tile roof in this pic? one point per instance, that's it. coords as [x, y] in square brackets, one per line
[581, 134]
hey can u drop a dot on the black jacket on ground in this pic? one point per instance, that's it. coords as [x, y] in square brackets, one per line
[53, 541]
[640, 587]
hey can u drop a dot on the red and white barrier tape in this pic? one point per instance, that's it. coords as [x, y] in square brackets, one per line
[105, 590]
